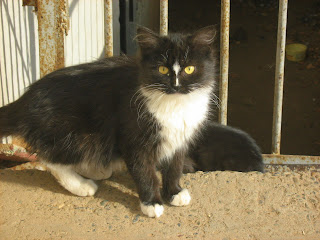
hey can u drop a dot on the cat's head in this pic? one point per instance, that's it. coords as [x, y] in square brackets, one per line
[177, 63]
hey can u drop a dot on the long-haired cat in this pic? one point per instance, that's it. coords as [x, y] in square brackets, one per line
[146, 110]
[222, 148]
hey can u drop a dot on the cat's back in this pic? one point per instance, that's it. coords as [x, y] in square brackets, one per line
[78, 95]
[114, 70]
[74, 106]
[83, 86]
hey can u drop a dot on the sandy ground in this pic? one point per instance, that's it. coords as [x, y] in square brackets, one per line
[225, 205]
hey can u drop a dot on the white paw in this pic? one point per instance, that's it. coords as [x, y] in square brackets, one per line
[183, 198]
[86, 188]
[152, 210]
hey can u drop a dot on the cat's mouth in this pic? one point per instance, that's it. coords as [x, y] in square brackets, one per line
[177, 91]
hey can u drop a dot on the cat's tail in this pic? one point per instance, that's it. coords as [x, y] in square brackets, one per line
[8, 120]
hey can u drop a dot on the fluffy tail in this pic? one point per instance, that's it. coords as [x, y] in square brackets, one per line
[8, 120]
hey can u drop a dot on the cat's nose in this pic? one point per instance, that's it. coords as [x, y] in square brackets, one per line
[176, 88]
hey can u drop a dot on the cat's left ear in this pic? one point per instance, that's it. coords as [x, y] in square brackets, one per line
[204, 36]
[147, 39]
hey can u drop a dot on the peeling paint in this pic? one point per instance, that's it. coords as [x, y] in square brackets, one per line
[163, 17]
[108, 28]
[29, 3]
[290, 159]
[224, 60]
[53, 24]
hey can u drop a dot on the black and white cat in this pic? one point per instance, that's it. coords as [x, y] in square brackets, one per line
[80, 120]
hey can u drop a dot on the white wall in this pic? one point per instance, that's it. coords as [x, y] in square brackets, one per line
[19, 46]
[85, 40]
[19, 51]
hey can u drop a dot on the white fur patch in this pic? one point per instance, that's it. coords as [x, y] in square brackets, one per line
[179, 116]
[176, 68]
[183, 198]
[152, 210]
[93, 171]
[72, 181]
[99, 171]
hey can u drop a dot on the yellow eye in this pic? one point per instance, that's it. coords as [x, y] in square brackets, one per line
[189, 69]
[163, 70]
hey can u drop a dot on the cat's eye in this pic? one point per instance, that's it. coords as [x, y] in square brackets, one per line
[163, 70]
[189, 69]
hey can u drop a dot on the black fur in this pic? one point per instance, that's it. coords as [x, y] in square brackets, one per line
[90, 112]
[223, 148]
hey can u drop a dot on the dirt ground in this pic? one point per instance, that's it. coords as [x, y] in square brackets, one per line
[225, 205]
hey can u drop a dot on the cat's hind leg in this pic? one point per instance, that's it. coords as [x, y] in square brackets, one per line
[71, 180]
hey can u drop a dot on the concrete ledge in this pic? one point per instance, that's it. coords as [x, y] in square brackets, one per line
[224, 205]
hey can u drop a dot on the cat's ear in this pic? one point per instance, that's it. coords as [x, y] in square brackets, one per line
[147, 39]
[204, 36]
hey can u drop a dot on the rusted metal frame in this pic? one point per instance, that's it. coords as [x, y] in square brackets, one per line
[290, 159]
[52, 25]
[108, 28]
[279, 77]
[29, 3]
[224, 60]
[163, 17]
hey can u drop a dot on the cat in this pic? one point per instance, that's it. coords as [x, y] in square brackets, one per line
[146, 110]
[222, 148]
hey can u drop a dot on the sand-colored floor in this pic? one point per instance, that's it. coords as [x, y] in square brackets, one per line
[225, 205]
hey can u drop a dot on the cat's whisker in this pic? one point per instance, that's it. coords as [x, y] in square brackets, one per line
[141, 104]
[216, 100]
[150, 87]
[186, 53]
[137, 94]
[164, 57]
[195, 86]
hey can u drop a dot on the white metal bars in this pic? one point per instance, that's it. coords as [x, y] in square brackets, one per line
[108, 28]
[279, 76]
[224, 60]
[163, 17]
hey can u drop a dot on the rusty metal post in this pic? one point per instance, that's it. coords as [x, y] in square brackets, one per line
[279, 76]
[108, 28]
[52, 25]
[224, 60]
[163, 17]
[29, 3]
[290, 159]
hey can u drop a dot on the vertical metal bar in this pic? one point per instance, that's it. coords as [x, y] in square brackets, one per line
[51, 35]
[163, 17]
[279, 76]
[108, 28]
[224, 60]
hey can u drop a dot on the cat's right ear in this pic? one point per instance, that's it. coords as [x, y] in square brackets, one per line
[204, 36]
[147, 39]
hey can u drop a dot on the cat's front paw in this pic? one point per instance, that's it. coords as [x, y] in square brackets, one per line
[155, 210]
[183, 198]
[85, 188]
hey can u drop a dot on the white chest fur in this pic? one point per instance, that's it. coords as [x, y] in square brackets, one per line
[179, 115]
